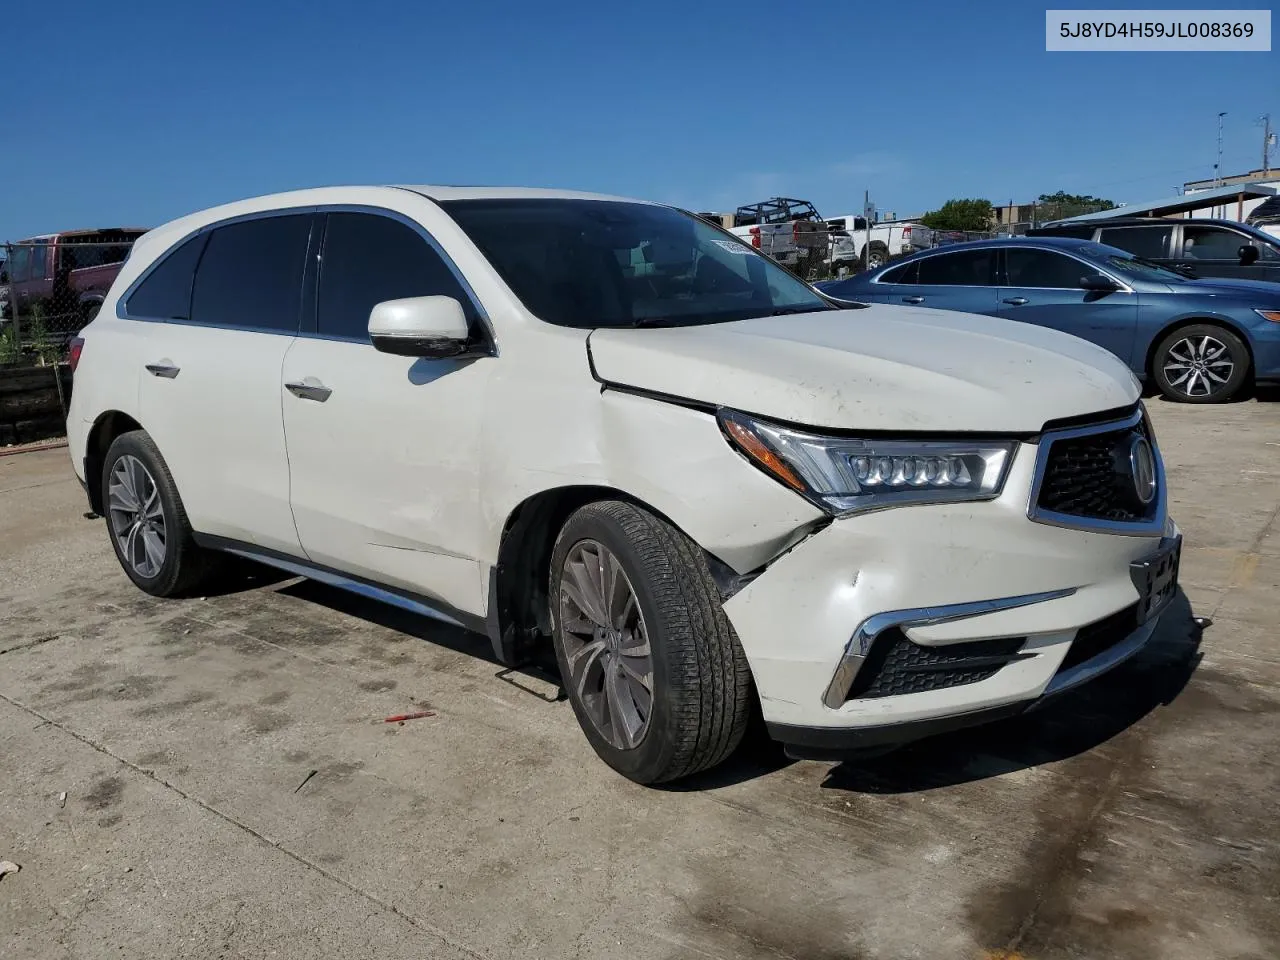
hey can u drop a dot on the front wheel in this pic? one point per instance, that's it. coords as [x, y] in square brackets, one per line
[651, 664]
[876, 258]
[1202, 363]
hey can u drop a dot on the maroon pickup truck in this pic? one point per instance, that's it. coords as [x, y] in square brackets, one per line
[66, 274]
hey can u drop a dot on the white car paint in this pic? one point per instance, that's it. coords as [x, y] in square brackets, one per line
[407, 476]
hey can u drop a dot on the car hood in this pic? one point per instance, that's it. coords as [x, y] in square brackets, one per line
[878, 368]
[1259, 291]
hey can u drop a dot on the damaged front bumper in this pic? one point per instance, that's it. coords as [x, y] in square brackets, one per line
[891, 626]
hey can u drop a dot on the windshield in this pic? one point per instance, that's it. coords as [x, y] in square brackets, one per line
[602, 263]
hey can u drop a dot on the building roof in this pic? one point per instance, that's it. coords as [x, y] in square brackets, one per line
[1253, 176]
[1181, 204]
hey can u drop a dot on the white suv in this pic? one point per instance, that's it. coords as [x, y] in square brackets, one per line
[609, 426]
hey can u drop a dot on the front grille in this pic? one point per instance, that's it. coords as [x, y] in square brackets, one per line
[896, 666]
[1101, 636]
[1089, 476]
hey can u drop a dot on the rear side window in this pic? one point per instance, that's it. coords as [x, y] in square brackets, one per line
[251, 274]
[964, 268]
[1149, 242]
[369, 258]
[165, 294]
[906, 273]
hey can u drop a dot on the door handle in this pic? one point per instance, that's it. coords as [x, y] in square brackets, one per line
[166, 370]
[309, 389]
[1016, 301]
[913, 299]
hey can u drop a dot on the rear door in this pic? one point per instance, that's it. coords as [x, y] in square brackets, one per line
[1043, 287]
[209, 393]
[959, 280]
[1149, 241]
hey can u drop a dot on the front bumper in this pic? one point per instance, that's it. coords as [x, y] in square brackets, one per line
[940, 576]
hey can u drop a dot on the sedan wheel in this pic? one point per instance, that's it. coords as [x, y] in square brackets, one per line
[1198, 366]
[137, 516]
[1203, 363]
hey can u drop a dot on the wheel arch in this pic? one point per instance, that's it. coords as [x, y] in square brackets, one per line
[104, 431]
[1192, 320]
[518, 615]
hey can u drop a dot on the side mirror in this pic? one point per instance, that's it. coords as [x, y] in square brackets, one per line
[1097, 282]
[1248, 254]
[421, 327]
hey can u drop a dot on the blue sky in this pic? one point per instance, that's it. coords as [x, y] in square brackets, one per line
[134, 113]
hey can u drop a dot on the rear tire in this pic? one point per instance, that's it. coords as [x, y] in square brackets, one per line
[146, 521]
[1201, 363]
[876, 257]
[699, 684]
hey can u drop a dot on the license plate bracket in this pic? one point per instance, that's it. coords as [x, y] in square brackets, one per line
[1156, 578]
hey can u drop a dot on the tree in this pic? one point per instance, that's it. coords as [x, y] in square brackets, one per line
[960, 215]
[1077, 200]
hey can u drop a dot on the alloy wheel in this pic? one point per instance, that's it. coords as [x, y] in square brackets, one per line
[137, 516]
[606, 644]
[1198, 366]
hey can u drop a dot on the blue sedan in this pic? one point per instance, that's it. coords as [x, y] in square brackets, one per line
[1200, 341]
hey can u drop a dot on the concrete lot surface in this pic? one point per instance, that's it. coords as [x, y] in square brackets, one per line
[1135, 819]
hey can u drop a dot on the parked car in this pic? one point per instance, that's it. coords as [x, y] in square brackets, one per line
[788, 230]
[850, 249]
[1199, 341]
[607, 428]
[1266, 217]
[1200, 248]
[67, 274]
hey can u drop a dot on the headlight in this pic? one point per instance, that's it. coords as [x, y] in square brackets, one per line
[844, 475]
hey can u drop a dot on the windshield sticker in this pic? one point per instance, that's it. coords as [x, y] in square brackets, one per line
[734, 247]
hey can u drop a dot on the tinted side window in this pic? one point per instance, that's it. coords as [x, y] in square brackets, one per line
[251, 274]
[1078, 233]
[166, 292]
[1211, 243]
[1042, 268]
[906, 273]
[967, 268]
[1149, 242]
[369, 258]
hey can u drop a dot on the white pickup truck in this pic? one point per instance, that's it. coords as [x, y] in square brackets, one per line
[788, 230]
[850, 250]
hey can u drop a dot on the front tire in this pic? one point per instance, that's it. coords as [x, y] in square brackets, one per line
[147, 522]
[651, 664]
[1201, 363]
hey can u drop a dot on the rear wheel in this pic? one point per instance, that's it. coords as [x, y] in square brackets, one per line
[147, 522]
[652, 667]
[1202, 363]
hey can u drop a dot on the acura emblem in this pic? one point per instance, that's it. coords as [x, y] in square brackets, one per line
[1142, 470]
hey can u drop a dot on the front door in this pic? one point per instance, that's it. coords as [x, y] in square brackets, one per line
[1213, 251]
[1043, 287]
[384, 449]
[209, 393]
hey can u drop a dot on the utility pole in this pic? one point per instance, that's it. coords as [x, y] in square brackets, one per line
[1268, 141]
[1217, 166]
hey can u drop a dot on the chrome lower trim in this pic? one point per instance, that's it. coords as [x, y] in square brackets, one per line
[1146, 528]
[1111, 657]
[859, 645]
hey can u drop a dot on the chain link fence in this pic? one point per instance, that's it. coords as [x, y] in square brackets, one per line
[51, 287]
